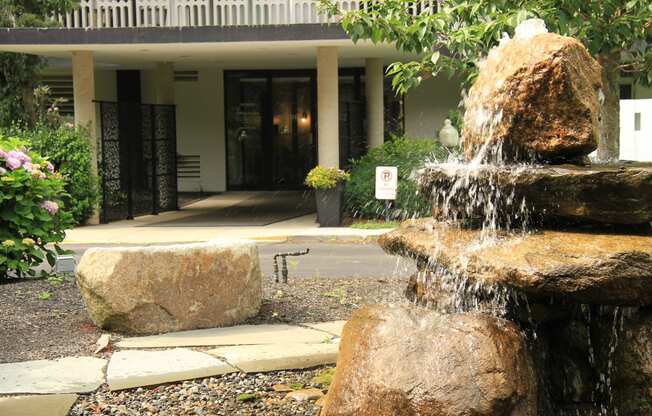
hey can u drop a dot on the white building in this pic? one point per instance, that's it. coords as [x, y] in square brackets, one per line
[262, 91]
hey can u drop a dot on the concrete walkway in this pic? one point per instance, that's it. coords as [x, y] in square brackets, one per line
[148, 360]
[144, 230]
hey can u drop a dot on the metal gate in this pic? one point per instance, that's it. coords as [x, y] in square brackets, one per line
[137, 159]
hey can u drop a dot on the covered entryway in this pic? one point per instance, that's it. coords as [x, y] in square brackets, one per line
[241, 209]
[270, 128]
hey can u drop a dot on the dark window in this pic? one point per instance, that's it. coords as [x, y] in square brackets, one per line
[626, 91]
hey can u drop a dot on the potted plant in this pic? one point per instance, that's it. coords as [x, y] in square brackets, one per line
[328, 184]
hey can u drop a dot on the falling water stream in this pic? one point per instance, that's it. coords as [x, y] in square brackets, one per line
[482, 195]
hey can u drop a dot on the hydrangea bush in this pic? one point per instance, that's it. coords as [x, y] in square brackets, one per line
[32, 220]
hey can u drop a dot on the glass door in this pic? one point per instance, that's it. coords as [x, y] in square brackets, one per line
[245, 132]
[292, 133]
[270, 129]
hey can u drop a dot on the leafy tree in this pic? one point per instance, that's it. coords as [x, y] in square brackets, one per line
[18, 72]
[453, 35]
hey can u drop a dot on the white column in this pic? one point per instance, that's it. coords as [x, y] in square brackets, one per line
[328, 130]
[373, 81]
[164, 83]
[83, 82]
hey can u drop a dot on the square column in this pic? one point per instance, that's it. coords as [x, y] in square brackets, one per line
[164, 78]
[328, 129]
[373, 81]
[83, 84]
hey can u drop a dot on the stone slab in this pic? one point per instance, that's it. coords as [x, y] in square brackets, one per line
[37, 405]
[616, 194]
[262, 358]
[587, 267]
[129, 369]
[332, 327]
[66, 375]
[237, 335]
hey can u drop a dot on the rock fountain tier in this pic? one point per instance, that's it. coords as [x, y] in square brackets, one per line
[550, 194]
[406, 361]
[538, 95]
[590, 268]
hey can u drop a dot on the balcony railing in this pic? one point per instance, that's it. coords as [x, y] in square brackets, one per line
[180, 13]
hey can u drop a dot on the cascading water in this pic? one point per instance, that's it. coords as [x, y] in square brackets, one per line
[536, 265]
[482, 194]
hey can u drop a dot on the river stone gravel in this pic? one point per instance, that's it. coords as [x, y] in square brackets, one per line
[213, 396]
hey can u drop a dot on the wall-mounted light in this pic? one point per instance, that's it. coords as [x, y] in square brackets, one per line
[304, 117]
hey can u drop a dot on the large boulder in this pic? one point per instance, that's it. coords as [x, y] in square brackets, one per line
[599, 268]
[408, 361]
[563, 194]
[539, 95]
[145, 290]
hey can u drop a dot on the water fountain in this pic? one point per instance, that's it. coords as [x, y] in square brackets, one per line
[535, 271]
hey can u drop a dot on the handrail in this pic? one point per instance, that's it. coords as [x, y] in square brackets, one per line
[93, 14]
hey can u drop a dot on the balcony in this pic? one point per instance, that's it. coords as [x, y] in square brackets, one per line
[92, 14]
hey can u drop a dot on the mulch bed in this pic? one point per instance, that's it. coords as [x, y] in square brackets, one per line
[32, 327]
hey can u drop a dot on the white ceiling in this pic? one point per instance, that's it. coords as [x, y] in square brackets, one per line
[229, 55]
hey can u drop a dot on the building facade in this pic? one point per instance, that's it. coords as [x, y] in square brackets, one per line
[260, 90]
[263, 90]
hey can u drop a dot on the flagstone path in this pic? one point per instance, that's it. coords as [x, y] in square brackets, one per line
[247, 348]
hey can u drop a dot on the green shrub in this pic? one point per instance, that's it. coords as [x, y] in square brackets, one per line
[325, 178]
[406, 154]
[31, 209]
[69, 150]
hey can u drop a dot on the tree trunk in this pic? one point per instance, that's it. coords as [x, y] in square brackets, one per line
[609, 142]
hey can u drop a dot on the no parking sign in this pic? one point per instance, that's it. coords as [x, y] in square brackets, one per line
[386, 182]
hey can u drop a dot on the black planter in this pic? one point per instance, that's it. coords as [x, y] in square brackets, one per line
[329, 206]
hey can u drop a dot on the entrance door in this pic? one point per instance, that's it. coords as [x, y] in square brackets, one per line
[270, 129]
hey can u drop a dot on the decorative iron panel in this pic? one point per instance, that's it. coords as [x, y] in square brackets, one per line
[137, 160]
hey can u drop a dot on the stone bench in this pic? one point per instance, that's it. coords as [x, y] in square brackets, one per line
[154, 289]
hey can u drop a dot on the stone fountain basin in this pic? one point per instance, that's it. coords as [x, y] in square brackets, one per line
[592, 268]
[619, 194]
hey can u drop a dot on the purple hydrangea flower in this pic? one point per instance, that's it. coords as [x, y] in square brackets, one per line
[50, 206]
[13, 163]
[50, 167]
[20, 156]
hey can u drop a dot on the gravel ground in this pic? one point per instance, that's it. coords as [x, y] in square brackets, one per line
[33, 328]
[209, 396]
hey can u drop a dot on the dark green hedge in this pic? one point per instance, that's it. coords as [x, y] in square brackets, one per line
[406, 154]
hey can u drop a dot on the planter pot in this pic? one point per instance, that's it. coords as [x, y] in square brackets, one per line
[329, 206]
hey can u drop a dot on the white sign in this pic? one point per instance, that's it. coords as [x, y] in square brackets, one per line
[386, 182]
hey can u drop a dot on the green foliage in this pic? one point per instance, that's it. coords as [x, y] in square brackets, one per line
[325, 378]
[457, 119]
[18, 72]
[31, 194]
[246, 397]
[466, 30]
[69, 150]
[374, 225]
[325, 178]
[406, 154]
[45, 295]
